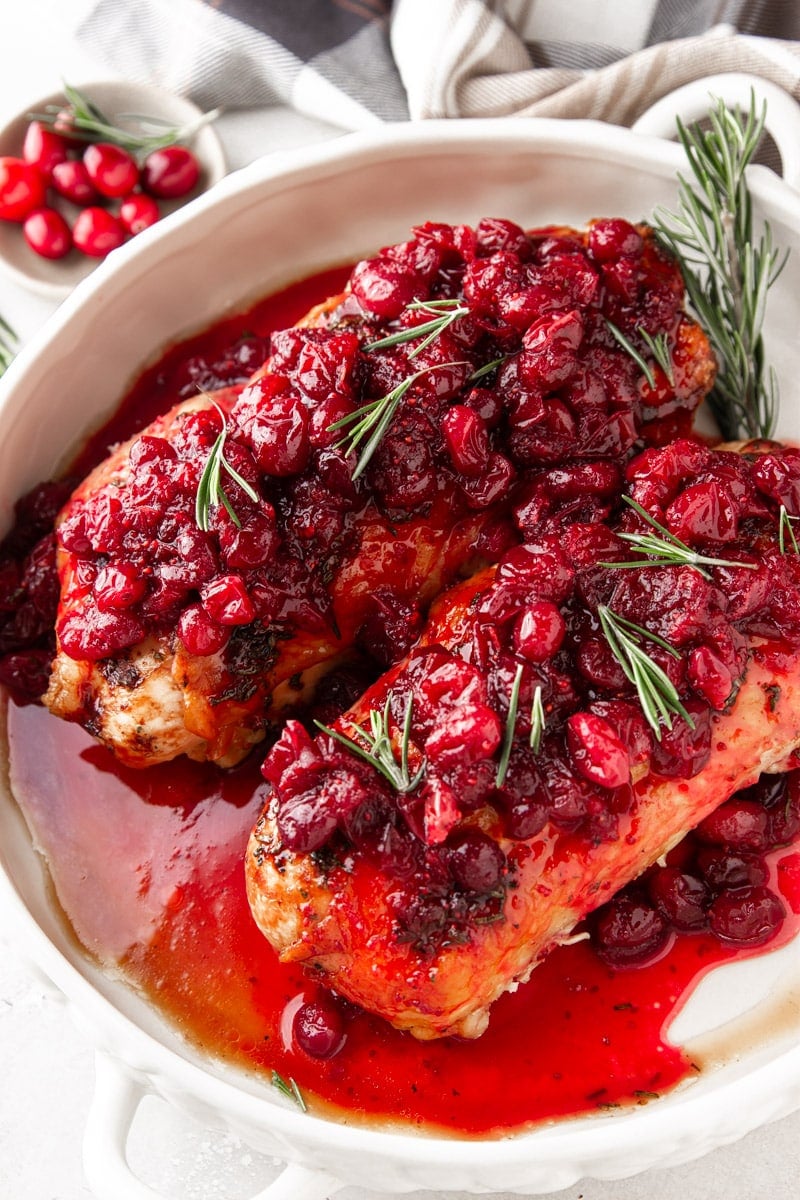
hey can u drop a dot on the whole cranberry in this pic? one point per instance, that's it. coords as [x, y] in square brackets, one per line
[737, 825]
[119, 585]
[476, 861]
[612, 237]
[539, 631]
[138, 212]
[596, 750]
[96, 232]
[200, 634]
[71, 180]
[170, 172]
[47, 233]
[466, 438]
[226, 601]
[43, 148]
[748, 916]
[110, 168]
[22, 189]
[680, 897]
[318, 1028]
[467, 733]
[704, 512]
[628, 930]
[279, 435]
[724, 868]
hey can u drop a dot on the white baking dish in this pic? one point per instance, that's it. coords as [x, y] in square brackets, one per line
[284, 217]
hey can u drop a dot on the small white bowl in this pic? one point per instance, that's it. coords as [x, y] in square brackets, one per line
[56, 278]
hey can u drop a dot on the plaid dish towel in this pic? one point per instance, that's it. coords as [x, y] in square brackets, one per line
[354, 63]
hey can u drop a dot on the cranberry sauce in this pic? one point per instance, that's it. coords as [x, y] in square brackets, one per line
[521, 706]
[148, 868]
[222, 356]
[460, 361]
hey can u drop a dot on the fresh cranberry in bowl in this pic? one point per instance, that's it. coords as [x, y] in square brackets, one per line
[52, 170]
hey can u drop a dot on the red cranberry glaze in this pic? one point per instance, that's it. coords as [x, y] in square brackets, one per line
[529, 718]
[538, 341]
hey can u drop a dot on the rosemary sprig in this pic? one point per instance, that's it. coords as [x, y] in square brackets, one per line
[727, 273]
[376, 416]
[209, 490]
[538, 720]
[88, 123]
[288, 1088]
[487, 368]
[379, 748]
[658, 695]
[659, 348]
[630, 349]
[443, 313]
[8, 345]
[664, 549]
[511, 723]
[784, 529]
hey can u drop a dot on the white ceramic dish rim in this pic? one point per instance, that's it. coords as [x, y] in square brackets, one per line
[133, 1062]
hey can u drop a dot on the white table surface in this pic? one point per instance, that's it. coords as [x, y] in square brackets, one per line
[46, 1065]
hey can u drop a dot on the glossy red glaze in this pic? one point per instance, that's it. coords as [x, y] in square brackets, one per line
[148, 867]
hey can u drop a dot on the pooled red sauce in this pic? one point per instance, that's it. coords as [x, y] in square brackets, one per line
[148, 868]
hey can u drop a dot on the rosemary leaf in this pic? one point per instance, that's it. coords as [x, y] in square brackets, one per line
[88, 123]
[664, 549]
[376, 746]
[785, 529]
[630, 349]
[450, 311]
[727, 272]
[659, 348]
[537, 720]
[288, 1088]
[511, 722]
[487, 368]
[375, 417]
[658, 695]
[210, 491]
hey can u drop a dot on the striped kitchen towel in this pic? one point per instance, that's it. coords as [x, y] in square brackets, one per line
[354, 63]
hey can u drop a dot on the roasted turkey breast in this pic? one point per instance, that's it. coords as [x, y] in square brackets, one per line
[402, 435]
[565, 718]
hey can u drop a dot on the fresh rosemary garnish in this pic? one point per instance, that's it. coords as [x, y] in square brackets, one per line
[209, 490]
[487, 368]
[376, 416]
[537, 720]
[664, 549]
[727, 274]
[784, 529]
[379, 750]
[8, 345]
[659, 348]
[630, 349]
[511, 723]
[658, 695]
[288, 1088]
[443, 313]
[88, 123]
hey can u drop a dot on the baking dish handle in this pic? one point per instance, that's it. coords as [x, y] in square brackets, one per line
[117, 1096]
[692, 102]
